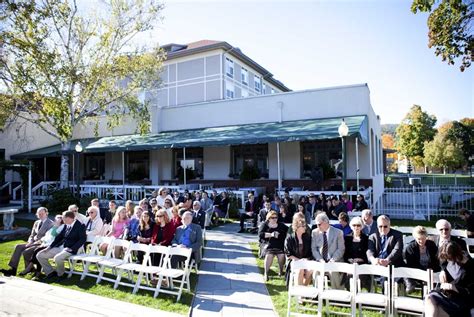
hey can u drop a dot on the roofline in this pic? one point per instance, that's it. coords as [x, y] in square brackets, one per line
[236, 53]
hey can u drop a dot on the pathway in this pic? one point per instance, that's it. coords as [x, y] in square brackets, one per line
[22, 297]
[230, 284]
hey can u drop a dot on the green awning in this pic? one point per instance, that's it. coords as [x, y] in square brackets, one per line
[51, 151]
[300, 130]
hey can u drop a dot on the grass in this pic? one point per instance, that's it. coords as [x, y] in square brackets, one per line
[144, 298]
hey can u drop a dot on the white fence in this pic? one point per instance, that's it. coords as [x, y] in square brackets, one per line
[424, 202]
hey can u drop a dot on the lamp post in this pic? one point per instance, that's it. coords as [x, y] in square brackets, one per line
[78, 149]
[343, 132]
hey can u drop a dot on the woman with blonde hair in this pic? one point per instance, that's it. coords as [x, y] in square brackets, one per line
[272, 236]
[119, 223]
[297, 247]
[129, 208]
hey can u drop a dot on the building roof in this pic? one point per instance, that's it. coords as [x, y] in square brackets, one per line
[174, 50]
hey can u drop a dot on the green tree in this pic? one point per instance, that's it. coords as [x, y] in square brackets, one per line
[415, 129]
[449, 28]
[443, 152]
[64, 66]
[461, 134]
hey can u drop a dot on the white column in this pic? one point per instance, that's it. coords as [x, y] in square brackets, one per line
[123, 178]
[357, 163]
[184, 168]
[278, 166]
[30, 167]
[44, 169]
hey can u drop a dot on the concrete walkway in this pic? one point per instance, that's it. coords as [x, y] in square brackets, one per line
[230, 284]
[19, 296]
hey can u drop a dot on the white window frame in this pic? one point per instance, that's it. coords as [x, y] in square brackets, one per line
[229, 67]
[273, 91]
[257, 83]
[245, 93]
[244, 76]
[264, 88]
[229, 90]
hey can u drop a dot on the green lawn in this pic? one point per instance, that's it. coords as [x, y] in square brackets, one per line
[145, 298]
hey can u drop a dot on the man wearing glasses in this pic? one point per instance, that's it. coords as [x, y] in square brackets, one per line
[444, 228]
[385, 245]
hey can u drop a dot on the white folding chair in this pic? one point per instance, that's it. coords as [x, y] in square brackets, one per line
[407, 239]
[119, 247]
[432, 231]
[130, 266]
[461, 233]
[74, 259]
[372, 299]
[405, 230]
[175, 273]
[330, 295]
[470, 245]
[305, 294]
[93, 259]
[407, 304]
[148, 269]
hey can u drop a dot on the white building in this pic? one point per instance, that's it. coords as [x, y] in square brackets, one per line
[228, 112]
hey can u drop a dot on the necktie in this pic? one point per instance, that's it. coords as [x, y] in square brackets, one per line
[39, 227]
[68, 229]
[325, 247]
[383, 248]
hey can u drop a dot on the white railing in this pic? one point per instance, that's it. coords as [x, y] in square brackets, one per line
[367, 193]
[43, 190]
[9, 185]
[15, 192]
[137, 192]
[424, 202]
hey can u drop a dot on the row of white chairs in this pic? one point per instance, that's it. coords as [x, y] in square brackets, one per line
[176, 278]
[321, 296]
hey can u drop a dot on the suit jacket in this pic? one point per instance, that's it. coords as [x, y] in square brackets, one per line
[74, 240]
[336, 246]
[95, 228]
[394, 247]
[459, 241]
[195, 237]
[251, 206]
[37, 233]
[370, 230]
[292, 246]
[200, 218]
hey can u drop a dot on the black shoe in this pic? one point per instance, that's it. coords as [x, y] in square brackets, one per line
[241, 231]
[61, 278]
[51, 275]
[9, 272]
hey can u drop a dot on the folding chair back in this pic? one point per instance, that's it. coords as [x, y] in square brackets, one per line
[372, 299]
[459, 233]
[470, 246]
[408, 304]
[158, 249]
[334, 295]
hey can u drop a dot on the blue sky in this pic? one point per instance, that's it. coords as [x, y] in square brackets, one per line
[311, 44]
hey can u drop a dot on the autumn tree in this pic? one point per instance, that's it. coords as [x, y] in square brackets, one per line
[415, 129]
[65, 65]
[443, 152]
[449, 28]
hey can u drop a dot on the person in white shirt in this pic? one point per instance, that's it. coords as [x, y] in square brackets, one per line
[93, 224]
[82, 218]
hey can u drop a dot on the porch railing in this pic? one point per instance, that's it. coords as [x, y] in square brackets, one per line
[9, 185]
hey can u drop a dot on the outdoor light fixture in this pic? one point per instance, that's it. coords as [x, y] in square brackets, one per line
[343, 132]
[79, 148]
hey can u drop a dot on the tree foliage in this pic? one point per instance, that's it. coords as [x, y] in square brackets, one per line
[415, 129]
[443, 152]
[460, 133]
[449, 28]
[63, 65]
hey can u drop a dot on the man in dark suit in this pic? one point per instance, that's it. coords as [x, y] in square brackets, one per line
[370, 226]
[40, 227]
[444, 228]
[311, 208]
[251, 208]
[199, 216]
[386, 245]
[67, 242]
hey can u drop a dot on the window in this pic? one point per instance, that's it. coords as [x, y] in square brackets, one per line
[94, 166]
[137, 166]
[273, 91]
[229, 66]
[245, 93]
[249, 157]
[2, 171]
[194, 161]
[257, 83]
[264, 88]
[245, 77]
[322, 156]
[229, 90]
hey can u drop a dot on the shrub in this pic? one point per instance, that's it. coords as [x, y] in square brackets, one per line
[59, 200]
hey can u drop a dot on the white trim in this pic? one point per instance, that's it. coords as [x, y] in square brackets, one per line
[176, 92]
[205, 81]
[221, 75]
[217, 76]
[181, 85]
[167, 88]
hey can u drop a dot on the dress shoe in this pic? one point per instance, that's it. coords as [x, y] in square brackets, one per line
[51, 275]
[241, 231]
[9, 272]
[61, 278]
[27, 270]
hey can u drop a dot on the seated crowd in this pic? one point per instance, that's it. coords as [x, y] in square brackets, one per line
[165, 220]
[363, 240]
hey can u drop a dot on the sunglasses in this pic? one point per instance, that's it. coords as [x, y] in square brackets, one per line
[385, 227]
[160, 216]
[443, 229]
[273, 217]
[356, 225]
